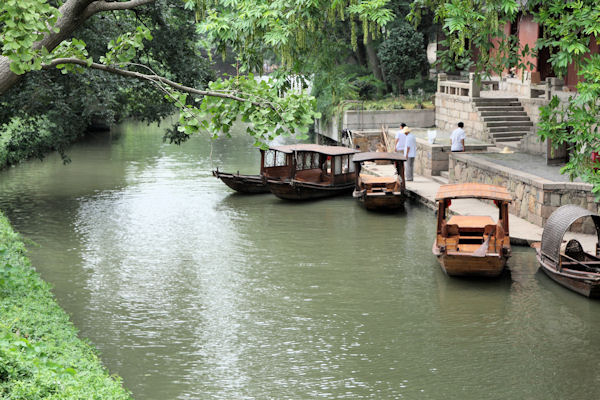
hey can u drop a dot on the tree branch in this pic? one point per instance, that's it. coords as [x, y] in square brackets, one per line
[100, 6]
[154, 78]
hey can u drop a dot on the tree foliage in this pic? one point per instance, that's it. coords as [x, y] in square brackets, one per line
[47, 110]
[250, 28]
[401, 54]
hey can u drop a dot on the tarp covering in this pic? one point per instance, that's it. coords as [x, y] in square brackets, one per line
[473, 190]
[557, 225]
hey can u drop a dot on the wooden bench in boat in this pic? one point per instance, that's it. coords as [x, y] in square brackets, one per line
[314, 175]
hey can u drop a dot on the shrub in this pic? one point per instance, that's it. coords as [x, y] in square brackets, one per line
[402, 55]
[41, 356]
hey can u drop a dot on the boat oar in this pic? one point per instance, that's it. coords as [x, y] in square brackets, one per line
[482, 250]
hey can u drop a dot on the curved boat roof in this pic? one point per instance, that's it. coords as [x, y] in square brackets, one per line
[378, 155]
[315, 148]
[557, 225]
[473, 190]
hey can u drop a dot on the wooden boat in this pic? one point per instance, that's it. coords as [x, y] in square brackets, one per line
[472, 245]
[572, 267]
[380, 193]
[247, 184]
[273, 166]
[311, 171]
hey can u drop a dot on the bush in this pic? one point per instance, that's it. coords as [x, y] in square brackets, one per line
[402, 55]
[41, 356]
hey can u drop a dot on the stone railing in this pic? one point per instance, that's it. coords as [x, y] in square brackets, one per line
[470, 88]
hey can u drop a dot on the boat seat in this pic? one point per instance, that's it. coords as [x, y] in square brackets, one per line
[310, 175]
[450, 230]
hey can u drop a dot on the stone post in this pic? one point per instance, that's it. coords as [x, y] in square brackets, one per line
[474, 87]
[442, 76]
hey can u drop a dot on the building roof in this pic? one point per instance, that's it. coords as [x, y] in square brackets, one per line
[378, 155]
[315, 148]
[473, 190]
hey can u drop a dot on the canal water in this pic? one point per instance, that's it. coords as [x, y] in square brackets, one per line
[191, 291]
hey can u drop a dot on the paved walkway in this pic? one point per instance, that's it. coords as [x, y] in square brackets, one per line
[522, 232]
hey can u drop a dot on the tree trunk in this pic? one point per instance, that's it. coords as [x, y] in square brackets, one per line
[73, 14]
[373, 59]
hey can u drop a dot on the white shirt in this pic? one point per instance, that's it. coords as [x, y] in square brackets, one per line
[401, 140]
[411, 145]
[455, 138]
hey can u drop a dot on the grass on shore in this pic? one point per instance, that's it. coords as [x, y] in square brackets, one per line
[41, 356]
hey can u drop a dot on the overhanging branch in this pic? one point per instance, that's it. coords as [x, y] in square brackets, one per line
[100, 6]
[154, 78]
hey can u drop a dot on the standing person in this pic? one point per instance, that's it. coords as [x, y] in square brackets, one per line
[457, 138]
[400, 138]
[410, 152]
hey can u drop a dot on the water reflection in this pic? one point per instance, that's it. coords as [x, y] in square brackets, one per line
[191, 291]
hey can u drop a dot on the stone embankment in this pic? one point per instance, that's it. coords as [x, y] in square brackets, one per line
[522, 232]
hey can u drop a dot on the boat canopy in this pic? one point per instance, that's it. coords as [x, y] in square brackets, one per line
[473, 190]
[557, 225]
[377, 155]
[315, 148]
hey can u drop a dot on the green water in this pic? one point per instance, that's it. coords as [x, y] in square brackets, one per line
[190, 291]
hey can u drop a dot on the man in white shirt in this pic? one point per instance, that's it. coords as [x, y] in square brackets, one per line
[457, 138]
[410, 152]
[401, 138]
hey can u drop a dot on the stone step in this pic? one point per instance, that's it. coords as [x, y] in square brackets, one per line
[445, 174]
[509, 139]
[509, 129]
[500, 109]
[501, 124]
[493, 100]
[508, 134]
[440, 179]
[498, 104]
[503, 113]
[507, 118]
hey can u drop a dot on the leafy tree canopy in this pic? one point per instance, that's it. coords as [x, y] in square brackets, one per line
[37, 35]
[401, 53]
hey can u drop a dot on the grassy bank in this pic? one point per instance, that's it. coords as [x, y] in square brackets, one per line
[41, 356]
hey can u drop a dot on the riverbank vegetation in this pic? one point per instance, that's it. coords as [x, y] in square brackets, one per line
[41, 356]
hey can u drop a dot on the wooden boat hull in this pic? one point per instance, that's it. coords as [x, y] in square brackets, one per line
[296, 190]
[579, 285]
[380, 202]
[465, 265]
[247, 184]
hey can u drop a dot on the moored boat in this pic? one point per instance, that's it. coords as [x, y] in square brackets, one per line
[380, 193]
[248, 184]
[273, 165]
[571, 267]
[312, 171]
[472, 245]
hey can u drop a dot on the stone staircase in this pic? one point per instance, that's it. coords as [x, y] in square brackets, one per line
[504, 119]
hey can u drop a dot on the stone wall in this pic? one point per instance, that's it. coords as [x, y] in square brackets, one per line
[374, 119]
[452, 109]
[432, 159]
[364, 120]
[531, 143]
[535, 198]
